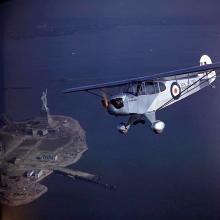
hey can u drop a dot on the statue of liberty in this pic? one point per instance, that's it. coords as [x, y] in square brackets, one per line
[44, 101]
[45, 112]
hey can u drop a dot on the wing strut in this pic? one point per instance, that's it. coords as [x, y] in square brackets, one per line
[150, 116]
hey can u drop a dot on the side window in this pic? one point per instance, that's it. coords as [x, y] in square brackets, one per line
[147, 88]
[156, 85]
[150, 89]
[162, 86]
[141, 89]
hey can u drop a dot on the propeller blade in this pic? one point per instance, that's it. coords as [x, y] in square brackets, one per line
[105, 101]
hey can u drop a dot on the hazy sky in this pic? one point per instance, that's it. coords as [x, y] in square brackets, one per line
[22, 10]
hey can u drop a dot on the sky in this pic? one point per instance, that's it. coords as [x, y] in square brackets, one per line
[22, 10]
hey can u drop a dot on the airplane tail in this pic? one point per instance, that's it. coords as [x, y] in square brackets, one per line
[204, 60]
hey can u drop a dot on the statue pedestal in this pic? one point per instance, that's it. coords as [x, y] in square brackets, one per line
[44, 117]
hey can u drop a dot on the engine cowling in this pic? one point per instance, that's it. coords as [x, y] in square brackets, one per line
[158, 127]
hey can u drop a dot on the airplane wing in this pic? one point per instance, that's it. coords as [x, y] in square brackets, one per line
[159, 76]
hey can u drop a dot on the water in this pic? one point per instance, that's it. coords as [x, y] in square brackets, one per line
[172, 176]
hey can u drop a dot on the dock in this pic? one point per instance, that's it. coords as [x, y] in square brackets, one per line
[76, 174]
[82, 176]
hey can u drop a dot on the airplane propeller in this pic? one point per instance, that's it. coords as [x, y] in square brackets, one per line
[105, 101]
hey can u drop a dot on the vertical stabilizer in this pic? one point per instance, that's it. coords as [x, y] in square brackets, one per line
[205, 60]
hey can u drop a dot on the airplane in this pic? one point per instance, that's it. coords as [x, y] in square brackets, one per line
[142, 97]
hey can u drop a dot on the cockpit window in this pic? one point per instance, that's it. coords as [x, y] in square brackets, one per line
[149, 88]
[117, 103]
[154, 87]
[146, 88]
[162, 86]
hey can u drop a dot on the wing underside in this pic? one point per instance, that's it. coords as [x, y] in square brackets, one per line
[176, 74]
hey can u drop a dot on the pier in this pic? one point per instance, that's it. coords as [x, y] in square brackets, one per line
[82, 176]
[76, 174]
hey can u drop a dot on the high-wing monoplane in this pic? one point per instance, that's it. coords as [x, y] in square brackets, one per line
[142, 97]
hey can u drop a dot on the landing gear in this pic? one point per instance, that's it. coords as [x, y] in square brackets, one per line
[156, 125]
[133, 120]
[122, 128]
[141, 121]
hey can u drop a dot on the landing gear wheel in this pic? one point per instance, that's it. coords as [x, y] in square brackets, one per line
[122, 128]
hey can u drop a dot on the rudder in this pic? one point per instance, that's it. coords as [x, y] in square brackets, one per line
[205, 60]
